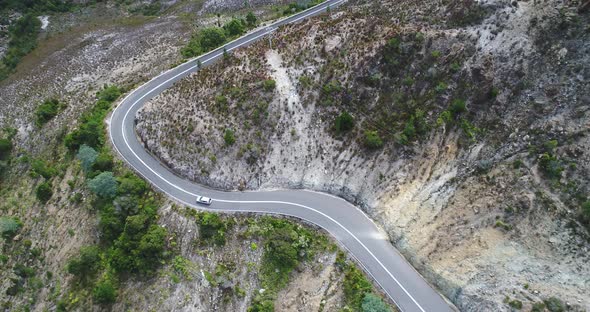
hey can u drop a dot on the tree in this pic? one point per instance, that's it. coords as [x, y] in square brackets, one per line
[44, 192]
[343, 123]
[234, 27]
[251, 19]
[372, 303]
[104, 185]
[373, 140]
[87, 156]
[104, 292]
[151, 248]
[211, 38]
[104, 162]
[5, 148]
[229, 137]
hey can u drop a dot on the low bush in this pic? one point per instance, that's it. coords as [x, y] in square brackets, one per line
[86, 264]
[229, 137]
[9, 226]
[343, 123]
[5, 148]
[373, 140]
[105, 292]
[44, 192]
[47, 111]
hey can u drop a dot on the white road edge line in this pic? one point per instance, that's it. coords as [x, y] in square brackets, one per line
[245, 202]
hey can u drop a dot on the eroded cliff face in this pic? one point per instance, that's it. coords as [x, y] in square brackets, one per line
[480, 168]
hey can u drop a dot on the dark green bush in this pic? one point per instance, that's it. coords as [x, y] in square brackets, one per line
[40, 167]
[5, 148]
[457, 107]
[44, 192]
[47, 111]
[105, 292]
[269, 85]
[212, 228]
[234, 27]
[86, 264]
[343, 123]
[229, 137]
[551, 165]
[251, 19]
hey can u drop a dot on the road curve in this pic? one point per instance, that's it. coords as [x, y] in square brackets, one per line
[348, 224]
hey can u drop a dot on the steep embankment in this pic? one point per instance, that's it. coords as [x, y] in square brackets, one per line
[462, 129]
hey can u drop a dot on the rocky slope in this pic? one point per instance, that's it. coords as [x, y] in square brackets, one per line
[78, 53]
[469, 143]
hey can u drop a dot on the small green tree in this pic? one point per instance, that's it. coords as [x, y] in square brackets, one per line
[343, 123]
[105, 292]
[87, 156]
[372, 303]
[229, 137]
[44, 192]
[251, 19]
[104, 185]
[373, 140]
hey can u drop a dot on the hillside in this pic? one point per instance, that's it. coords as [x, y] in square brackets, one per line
[460, 127]
[80, 232]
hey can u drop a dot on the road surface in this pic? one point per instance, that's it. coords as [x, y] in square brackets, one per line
[348, 224]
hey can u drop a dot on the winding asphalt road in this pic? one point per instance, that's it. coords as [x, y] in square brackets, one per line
[348, 224]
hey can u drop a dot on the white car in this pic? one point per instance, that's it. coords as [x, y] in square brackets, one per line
[204, 200]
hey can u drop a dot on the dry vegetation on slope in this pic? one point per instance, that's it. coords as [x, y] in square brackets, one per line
[469, 139]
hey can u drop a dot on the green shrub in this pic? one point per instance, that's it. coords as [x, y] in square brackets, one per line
[343, 123]
[131, 184]
[104, 162]
[457, 107]
[551, 165]
[105, 292]
[104, 185]
[251, 19]
[47, 111]
[40, 167]
[44, 192]
[212, 228]
[373, 140]
[86, 264]
[372, 303]
[229, 137]
[269, 85]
